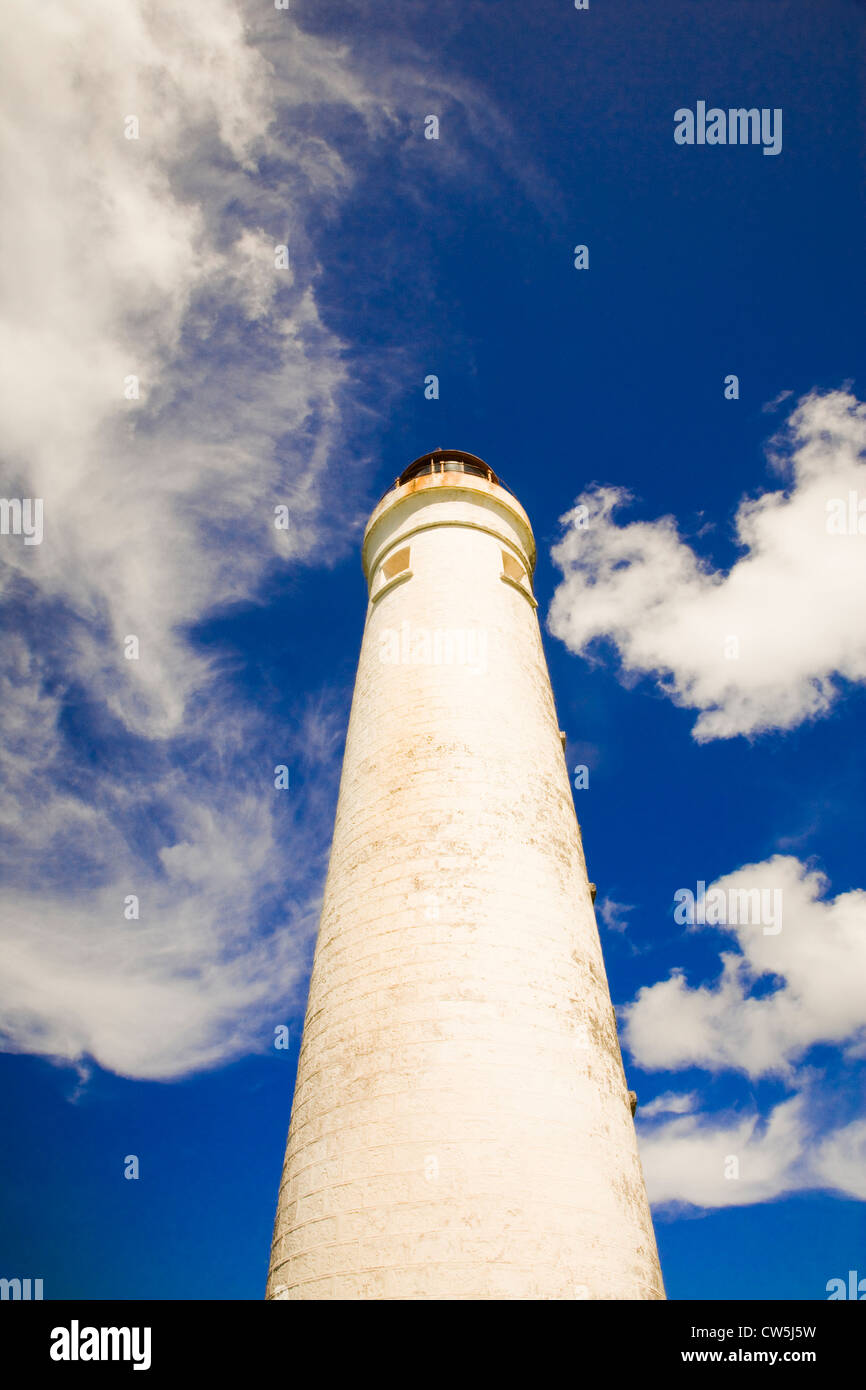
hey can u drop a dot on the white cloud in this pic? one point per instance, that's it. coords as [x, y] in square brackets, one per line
[725, 1162]
[815, 966]
[670, 1103]
[769, 406]
[226, 870]
[809, 976]
[728, 1160]
[155, 257]
[790, 608]
[614, 915]
[841, 1160]
[183, 987]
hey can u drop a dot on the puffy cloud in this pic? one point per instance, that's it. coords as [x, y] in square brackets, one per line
[810, 951]
[761, 646]
[841, 1160]
[794, 982]
[725, 1162]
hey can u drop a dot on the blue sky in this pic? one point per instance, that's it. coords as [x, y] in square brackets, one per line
[154, 257]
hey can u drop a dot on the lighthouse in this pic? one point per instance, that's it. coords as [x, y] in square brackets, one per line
[461, 1125]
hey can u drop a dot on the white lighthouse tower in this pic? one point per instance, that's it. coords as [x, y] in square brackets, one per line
[461, 1126]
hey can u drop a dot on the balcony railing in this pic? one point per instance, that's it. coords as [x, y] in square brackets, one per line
[446, 461]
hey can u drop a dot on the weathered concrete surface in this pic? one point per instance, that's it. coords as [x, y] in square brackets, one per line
[461, 1126]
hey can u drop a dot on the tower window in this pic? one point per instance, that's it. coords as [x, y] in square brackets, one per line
[515, 574]
[396, 564]
[395, 570]
[512, 568]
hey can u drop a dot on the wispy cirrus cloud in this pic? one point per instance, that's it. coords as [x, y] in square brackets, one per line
[670, 1103]
[157, 910]
[155, 258]
[614, 915]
